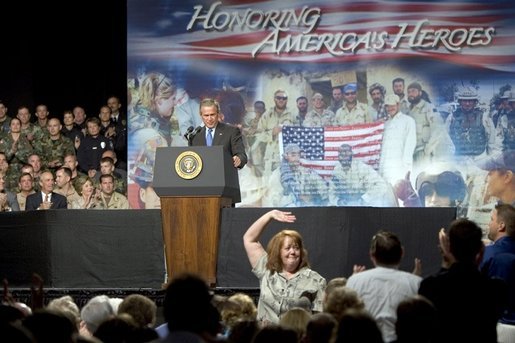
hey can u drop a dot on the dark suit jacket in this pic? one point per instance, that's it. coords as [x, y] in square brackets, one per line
[227, 135]
[34, 201]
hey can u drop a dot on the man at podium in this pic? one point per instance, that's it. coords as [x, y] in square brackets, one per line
[215, 132]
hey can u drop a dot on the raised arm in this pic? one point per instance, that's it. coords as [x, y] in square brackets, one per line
[251, 242]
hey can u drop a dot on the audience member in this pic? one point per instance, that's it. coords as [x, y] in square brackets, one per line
[8, 200]
[295, 319]
[340, 300]
[109, 199]
[53, 147]
[95, 312]
[63, 177]
[417, 321]
[499, 261]
[321, 328]
[26, 186]
[46, 199]
[385, 286]
[357, 326]
[283, 269]
[66, 306]
[91, 148]
[275, 333]
[465, 314]
[88, 195]
[187, 309]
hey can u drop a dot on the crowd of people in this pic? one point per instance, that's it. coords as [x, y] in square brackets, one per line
[471, 298]
[63, 162]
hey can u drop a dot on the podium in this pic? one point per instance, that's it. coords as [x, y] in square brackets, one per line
[194, 183]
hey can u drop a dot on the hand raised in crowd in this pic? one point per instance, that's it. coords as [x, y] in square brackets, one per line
[357, 268]
[77, 142]
[417, 269]
[54, 164]
[36, 292]
[110, 132]
[447, 257]
[284, 217]
[7, 297]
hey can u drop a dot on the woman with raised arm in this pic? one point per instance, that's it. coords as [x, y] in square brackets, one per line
[286, 280]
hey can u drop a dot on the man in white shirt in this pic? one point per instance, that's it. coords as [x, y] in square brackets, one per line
[385, 286]
[399, 141]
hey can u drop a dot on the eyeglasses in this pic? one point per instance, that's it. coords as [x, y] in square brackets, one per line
[281, 98]
[350, 93]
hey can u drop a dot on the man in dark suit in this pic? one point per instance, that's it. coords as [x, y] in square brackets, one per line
[215, 132]
[46, 199]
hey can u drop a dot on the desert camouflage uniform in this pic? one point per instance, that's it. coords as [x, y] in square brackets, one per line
[357, 115]
[313, 118]
[117, 202]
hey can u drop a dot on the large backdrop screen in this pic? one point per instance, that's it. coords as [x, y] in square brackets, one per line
[341, 103]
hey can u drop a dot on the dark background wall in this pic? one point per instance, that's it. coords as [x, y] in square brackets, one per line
[62, 54]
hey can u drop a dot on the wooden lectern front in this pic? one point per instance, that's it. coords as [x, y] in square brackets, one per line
[194, 183]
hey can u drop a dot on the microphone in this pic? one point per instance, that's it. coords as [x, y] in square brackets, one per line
[188, 132]
[197, 130]
[191, 135]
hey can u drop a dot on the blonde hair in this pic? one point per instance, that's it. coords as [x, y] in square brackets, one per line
[238, 307]
[296, 319]
[153, 87]
[342, 299]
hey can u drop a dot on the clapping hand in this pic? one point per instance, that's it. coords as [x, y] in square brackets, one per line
[447, 257]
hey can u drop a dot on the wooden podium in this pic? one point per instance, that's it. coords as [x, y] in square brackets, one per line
[191, 204]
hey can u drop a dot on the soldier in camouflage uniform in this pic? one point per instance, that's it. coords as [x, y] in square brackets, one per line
[269, 127]
[355, 183]
[295, 185]
[472, 130]
[42, 115]
[63, 177]
[107, 167]
[507, 125]
[16, 146]
[352, 111]
[109, 198]
[33, 132]
[17, 150]
[433, 141]
[5, 120]
[319, 115]
[55, 146]
[26, 187]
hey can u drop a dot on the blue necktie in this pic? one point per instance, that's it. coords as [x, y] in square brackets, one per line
[209, 138]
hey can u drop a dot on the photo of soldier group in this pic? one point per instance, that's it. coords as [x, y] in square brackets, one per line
[381, 136]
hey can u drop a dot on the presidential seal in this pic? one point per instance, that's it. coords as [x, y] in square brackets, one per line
[188, 165]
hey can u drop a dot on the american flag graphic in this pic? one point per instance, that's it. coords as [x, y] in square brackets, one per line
[320, 144]
[337, 17]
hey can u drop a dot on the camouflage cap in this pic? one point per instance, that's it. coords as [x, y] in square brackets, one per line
[292, 147]
[468, 93]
